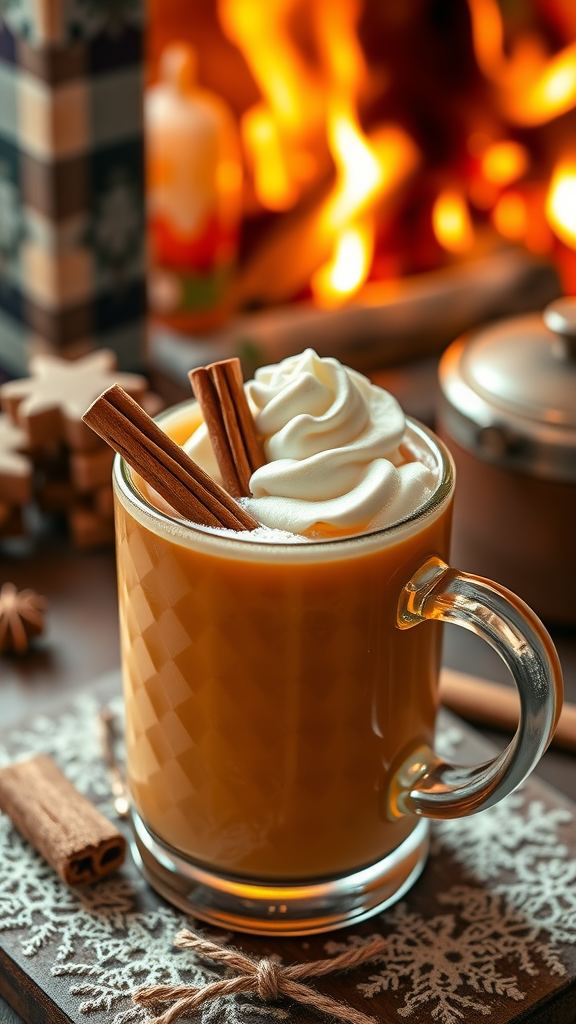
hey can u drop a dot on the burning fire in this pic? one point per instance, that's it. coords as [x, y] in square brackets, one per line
[347, 270]
[360, 173]
[278, 133]
[308, 120]
[274, 187]
[307, 124]
[532, 86]
[510, 216]
[369, 170]
[505, 162]
[561, 202]
[451, 221]
[330, 170]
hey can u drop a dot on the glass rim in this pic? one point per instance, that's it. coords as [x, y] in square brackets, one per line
[123, 480]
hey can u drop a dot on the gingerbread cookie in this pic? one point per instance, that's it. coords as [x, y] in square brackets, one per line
[15, 467]
[50, 403]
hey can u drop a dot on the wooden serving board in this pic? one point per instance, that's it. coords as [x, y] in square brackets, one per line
[488, 933]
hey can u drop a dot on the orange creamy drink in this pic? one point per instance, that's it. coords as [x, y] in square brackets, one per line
[270, 695]
[281, 679]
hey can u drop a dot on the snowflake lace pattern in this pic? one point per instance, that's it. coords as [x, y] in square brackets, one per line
[112, 938]
[104, 939]
[523, 912]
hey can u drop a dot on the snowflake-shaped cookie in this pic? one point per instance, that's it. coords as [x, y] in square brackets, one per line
[15, 468]
[49, 404]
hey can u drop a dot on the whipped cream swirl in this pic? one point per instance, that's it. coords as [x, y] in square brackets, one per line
[331, 439]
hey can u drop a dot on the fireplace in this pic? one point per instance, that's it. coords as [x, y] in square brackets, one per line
[387, 149]
[386, 152]
[381, 140]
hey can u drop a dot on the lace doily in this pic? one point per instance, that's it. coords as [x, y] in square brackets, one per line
[492, 920]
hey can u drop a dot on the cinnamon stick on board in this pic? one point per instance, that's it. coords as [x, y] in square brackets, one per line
[49, 812]
[220, 394]
[493, 704]
[162, 463]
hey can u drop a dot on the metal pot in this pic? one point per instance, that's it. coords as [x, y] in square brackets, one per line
[508, 414]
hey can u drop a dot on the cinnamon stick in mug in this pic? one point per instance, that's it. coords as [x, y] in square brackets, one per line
[48, 811]
[163, 463]
[220, 393]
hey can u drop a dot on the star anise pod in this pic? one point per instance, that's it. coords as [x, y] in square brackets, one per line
[21, 617]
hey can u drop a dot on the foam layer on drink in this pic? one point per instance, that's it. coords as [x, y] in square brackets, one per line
[338, 461]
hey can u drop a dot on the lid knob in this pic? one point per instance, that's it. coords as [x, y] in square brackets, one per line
[560, 317]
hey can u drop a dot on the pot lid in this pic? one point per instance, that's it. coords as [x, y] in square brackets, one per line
[508, 392]
[526, 366]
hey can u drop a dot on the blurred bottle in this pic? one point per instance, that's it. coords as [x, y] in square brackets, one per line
[194, 193]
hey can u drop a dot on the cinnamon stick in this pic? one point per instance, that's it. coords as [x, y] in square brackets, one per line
[162, 463]
[207, 397]
[493, 704]
[228, 377]
[77, 841]
[220, 394]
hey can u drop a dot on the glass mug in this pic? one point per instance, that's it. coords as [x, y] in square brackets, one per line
[281, 702]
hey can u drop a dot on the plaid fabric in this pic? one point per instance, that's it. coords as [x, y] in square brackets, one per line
[71, 178]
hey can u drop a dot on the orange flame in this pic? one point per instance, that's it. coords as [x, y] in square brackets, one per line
[533, 87]
[510, 216]
[561, 202]
[272, 182]
[368, 168]
[342, 56]
[504, 162]
[451, 221]
[261, 32]
[307, 115]
[277, 133]
[341, 277]
[359, 171]
[487, 35]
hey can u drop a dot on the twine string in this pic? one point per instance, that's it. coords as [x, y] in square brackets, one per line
[264, 978]
[268, 980]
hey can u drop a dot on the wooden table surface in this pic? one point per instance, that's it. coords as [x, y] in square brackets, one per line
[81, 641]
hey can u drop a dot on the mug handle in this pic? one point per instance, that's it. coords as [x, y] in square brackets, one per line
[426, 786]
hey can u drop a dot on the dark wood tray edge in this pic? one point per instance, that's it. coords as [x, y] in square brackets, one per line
[25, 997]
